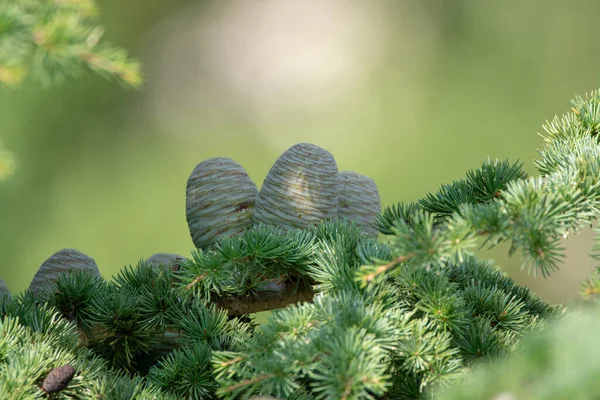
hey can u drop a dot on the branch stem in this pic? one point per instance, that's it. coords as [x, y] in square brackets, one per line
[280, 296]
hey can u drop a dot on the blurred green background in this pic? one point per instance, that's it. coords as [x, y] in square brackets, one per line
[410, 93]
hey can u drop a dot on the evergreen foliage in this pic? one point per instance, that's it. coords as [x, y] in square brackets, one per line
[355, 318]
[497, 203]
[421, 327]
[53, 40]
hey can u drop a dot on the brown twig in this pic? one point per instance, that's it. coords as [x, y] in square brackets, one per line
[198, 279]
[246, 382]
[382, 268]
[232, 361]
[285, 294]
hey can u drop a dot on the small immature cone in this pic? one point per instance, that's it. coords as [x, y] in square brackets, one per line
[359, 200]
[62, 261]
[301, 189]
[3, 288]
[220, 198]
[170, 259]
[58, 379]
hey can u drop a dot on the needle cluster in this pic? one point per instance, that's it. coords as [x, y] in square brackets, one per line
[51, 40]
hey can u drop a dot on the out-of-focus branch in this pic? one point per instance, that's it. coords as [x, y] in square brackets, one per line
[52, 41]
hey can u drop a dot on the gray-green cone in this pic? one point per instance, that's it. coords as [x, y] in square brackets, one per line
[3, 288]
[170, 339]
[165, 258]
[62, 261]
[359, 200]
[220, 198]
[301, 189]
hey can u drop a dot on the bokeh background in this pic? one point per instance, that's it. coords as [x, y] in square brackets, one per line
[410, 93]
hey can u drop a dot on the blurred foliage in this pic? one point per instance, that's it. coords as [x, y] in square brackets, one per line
[7, 163]
[53, 40]
[100, 171]
[562, 362]
[590, 288]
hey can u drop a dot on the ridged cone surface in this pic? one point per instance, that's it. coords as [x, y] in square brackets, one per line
[359, 200]
[3, 288]
[58, 379]
[62, 261]
[220, 198]
[164, 258]
[300, 189]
